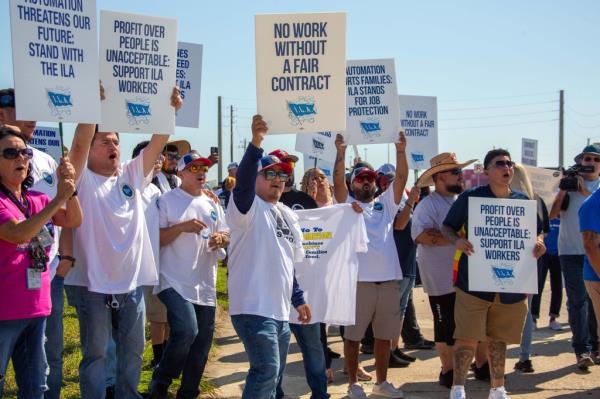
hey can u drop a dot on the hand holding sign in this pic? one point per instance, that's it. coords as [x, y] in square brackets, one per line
[339, 144]
[539, 249]
[176, 100]
[66, 169]
[465, 246]
[259, 130]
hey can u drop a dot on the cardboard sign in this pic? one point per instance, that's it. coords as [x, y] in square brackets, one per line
[503, 233]
[372, 102]
[545, 183]
[418, 119]
[320, 145]
[300, 78]
[55, 60]
[529, 149]
[325, 166]
[138, 59]
[189, 77]
[47, 139]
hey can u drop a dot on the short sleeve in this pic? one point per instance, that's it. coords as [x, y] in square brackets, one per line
[135, 169]
[234, 218]
[588, 214]
[458, 213]
[387, 199]
[5, 214]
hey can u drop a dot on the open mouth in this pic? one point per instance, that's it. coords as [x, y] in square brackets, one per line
[20, 168]
[112, 156]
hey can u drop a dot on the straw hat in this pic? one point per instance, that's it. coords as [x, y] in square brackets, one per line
[440, 163]
[183, 146]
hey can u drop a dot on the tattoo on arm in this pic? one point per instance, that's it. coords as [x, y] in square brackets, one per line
[462, 360]
[497, 357]
[450, 234]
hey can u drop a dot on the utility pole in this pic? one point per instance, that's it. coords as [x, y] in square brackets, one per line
[561, 130]
[220, 138]
[231, 132]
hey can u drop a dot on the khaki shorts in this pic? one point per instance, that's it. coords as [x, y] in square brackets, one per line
[477, 319]
[156, 311]
[378, 303]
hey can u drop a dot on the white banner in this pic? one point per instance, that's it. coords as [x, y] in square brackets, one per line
[300, 71]
[503, 233]
[189, 77]
[372, 102]
[47, 139]
[545, 183]
[320, 145]
[418, 119]
[529, 152]
[138, 58]
[55, 61]
[326, 167]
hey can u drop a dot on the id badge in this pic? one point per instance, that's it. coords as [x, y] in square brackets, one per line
[34, 279]
[45, 238]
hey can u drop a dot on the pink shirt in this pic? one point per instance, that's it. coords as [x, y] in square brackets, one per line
[18, 301]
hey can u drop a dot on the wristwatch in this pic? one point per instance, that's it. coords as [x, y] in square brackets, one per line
[67, 257]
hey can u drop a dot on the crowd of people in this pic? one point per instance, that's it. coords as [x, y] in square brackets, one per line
[137, 240]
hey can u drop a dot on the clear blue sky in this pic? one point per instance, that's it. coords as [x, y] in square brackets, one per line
[490, 63]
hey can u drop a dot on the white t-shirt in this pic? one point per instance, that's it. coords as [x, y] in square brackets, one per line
[163, 183]
[381, 262]
[264, 245]
[112, 246]
[332, 238]
[150, 198]
[187, 264]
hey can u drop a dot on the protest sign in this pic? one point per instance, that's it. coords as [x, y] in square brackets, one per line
[55, 60]
[189, 76]
[544, 182]
[325, 166]
[418, 119]
[300, 71]
[320, 145]
[138, 58]
[372, 102]
[503, 233]
[47, 139]
[529, 149]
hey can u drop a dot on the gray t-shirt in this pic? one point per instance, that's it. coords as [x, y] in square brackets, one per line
[435, 262]
[569, 237]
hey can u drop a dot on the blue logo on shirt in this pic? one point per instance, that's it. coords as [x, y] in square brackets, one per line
[205, 234]
[213, 215]
[378, 206]
[48, 178]
[127, 190]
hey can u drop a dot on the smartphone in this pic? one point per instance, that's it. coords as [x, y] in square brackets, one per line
[214, 150]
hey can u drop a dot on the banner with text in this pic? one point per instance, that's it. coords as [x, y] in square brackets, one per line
[47, 139]
[503, 233]
[372, 102]
[300, 78]
[320, 145]
[55, 60]
[138, 59]
[418, 119]
[325, 166]
[189, 77]
[545, 183]
[529, 150]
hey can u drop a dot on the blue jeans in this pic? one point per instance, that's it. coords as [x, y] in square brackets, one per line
[54, 339]
[527, 336]
[308, 337]
[95, 330]
[30, 334]
[406, 286]
[577, 302]
[266, 342]
[192, 328]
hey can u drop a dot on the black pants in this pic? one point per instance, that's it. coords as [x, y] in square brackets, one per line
[548, 263]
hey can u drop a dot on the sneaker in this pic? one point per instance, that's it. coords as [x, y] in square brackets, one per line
[395, 362]
[524, 366]
[555, 325]
[366, 349]
[356, 391]
[584, 361]
[596, 358]
[387, 390]
[458, 392]
[423, 344]
[498, 393]
[404, 356]
[446, 379]
[482, 373]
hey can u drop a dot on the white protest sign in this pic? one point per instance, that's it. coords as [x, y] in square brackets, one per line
[529, 150]
[544, 182]
[300, 71]
[418, 119]
[503, 233]
[325, 166]
[372, 102]
[55, 60]
[189, 76]
[47, 139]
[138, 58]
[320, 145]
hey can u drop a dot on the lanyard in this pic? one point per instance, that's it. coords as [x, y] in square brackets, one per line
[23, 205]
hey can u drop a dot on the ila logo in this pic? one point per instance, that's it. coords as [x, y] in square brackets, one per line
[138, 111]
[302, 110]
[370, 128]
[59, 102]
[127, 190]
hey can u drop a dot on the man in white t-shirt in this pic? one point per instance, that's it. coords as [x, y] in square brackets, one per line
[167, 178]
[114, 256]
[378, 291]
[265, 242]
[192, 228]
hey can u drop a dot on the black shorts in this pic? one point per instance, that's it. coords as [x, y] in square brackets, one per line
[442, 307]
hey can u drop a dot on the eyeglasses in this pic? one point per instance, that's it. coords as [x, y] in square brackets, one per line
[501, 164]
[197, 168]
[362, 179]
[271, 174]
[291, 163]
[455, 171]
[173, 157]
[13, 153]
[590, 159]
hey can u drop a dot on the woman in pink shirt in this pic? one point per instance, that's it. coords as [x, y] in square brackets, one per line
[25, 240]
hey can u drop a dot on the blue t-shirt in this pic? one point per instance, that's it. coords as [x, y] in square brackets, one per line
[457, 216]
[551, 240]
[589, 220]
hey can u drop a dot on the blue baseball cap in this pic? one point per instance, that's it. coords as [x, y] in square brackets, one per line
[192, 158]
[270, 161]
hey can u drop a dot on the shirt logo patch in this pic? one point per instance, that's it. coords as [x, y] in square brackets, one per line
[213, 215]
[48, 178]
[282, 230]
[127, 190]
[205, 234]
[378, 206]
[296, 207]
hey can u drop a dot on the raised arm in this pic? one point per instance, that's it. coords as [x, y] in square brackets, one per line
[403, 217]
[340, 191]
[401, 168]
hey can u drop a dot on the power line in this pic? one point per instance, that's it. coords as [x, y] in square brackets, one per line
[497, 106]
[584, 126]
[499, 116]
[583, 114]
[499, 98]
[505, 124]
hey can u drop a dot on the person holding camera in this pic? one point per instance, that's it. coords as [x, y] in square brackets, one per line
[579, 182]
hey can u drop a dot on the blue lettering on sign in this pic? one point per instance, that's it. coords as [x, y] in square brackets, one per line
[138, 111]
[503, 273]
[302, 110]
[318, 145]
[417, 157]
[369, 127]
[59, 100]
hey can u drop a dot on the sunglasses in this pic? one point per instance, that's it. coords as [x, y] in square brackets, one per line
[197, 168]
[271, 174]
[173, 157]
[362, 179]
[590, 159]
[13, 153]
[501, 164]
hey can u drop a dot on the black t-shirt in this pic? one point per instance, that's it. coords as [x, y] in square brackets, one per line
[296, 200]
[407, 250]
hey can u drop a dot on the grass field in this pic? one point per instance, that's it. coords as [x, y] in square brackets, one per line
[72, 353]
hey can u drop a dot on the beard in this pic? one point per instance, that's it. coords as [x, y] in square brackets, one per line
[455, 188]
[364, 195]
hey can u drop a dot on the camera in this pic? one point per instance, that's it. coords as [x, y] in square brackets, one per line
[570, 182]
